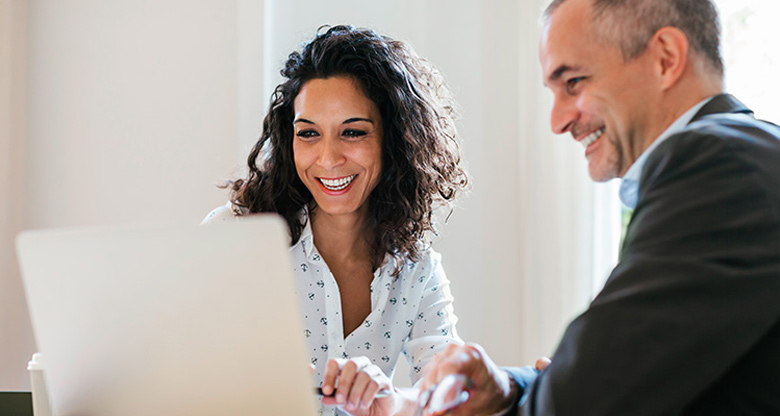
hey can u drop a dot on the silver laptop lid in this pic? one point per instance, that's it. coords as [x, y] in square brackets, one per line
[168, 319]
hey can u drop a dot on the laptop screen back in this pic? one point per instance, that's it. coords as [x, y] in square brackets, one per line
[168, 319]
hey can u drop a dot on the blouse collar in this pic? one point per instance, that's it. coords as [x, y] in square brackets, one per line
[313, 256]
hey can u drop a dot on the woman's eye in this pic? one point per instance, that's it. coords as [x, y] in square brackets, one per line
[306, 134]
[353, 133]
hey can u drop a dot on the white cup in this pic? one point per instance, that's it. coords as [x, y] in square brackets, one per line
[40, 395]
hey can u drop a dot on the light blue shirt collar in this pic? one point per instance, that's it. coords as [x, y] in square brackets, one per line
[629, 186]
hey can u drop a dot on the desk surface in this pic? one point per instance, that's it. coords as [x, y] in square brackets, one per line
[16, 403]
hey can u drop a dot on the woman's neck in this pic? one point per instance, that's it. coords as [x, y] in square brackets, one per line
[342, 238]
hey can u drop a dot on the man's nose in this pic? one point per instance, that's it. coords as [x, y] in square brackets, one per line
[564, 114]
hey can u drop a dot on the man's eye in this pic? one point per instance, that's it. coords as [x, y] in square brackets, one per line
[571, 83]
[353, 133]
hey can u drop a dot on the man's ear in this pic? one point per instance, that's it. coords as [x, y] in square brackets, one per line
[670, 49]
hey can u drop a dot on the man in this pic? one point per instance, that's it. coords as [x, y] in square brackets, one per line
[688, 323]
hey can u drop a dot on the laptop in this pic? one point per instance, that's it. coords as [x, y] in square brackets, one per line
[168, 319]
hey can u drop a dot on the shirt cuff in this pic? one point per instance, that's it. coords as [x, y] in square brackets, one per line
[521, 378]
[517, 392]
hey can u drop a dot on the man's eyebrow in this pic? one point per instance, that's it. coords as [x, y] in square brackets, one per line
[558, 73]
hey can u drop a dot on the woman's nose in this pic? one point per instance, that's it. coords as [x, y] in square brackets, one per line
[331, 152]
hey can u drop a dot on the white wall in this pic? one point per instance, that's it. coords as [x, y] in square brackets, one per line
[134, 109]
[16, 341]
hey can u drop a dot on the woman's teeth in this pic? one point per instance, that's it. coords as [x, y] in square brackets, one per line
[592, 137]
[337, 184]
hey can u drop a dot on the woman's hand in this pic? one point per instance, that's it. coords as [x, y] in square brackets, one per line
[356, 382]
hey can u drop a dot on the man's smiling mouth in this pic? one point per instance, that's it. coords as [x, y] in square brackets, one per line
[589, 139]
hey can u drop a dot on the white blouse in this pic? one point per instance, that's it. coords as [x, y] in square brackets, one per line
[411, 313]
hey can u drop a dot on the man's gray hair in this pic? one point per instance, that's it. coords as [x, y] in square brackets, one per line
[629, 24]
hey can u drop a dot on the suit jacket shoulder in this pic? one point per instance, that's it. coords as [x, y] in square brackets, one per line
[726, 163]
[688, 322]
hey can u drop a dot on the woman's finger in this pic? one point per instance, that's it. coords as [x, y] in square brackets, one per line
[369, 393]
[359, 384]
[345, 379]
[332, 370]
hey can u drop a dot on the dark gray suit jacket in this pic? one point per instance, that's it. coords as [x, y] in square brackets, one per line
[688, 323]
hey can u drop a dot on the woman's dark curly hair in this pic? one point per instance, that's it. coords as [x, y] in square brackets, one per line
[420, 155]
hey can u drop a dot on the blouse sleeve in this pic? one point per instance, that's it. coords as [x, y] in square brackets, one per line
[434, 322]
[224, 213]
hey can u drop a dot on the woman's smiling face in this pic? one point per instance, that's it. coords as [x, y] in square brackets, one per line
[337, 144]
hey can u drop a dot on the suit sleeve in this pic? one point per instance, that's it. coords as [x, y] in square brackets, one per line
[686, 300]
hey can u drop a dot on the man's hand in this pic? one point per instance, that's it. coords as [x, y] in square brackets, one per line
[490, 387]
[542, 363]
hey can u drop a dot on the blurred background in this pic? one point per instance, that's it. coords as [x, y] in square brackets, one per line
[132, 111]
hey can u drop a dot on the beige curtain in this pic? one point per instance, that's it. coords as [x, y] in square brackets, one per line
[569, 226]
[16, 339]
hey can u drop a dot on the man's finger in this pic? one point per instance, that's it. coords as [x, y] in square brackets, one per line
[542, 363]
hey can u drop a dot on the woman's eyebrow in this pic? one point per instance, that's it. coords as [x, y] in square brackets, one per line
[356, 119]
[347, 121]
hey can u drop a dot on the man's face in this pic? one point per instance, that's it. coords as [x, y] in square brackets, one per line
[603, 101]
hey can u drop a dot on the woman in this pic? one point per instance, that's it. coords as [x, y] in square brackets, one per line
[357, 150]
